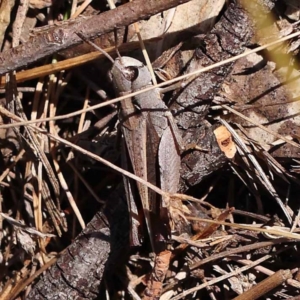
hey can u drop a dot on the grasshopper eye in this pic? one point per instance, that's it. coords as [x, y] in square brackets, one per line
[131, 73]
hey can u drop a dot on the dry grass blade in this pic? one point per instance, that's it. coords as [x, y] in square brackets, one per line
[67, 64]
[27, 281]
[179, 78]
[36, 145]
[274, 232]
[145, 53]
[80, 9]
[241, 249]
[105, 162]
[265, 271]
[264, 179]
[221, 278]
[261, 126]
[29, 230]
[208, 231]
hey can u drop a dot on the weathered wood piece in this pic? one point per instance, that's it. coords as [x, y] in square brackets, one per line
[227, 39]
[78, 272]
[190, 105]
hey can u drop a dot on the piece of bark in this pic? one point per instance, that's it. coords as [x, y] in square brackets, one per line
[78, 272]
[191, 105]
[226, 39]
[64, 35]
[197, 164]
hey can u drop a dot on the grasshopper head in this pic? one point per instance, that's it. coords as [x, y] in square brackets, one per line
[129, 74]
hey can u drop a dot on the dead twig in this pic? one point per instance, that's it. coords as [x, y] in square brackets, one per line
[239, 250]
[105, 162]
[61, 37]
[266, 285]
[264, 270]
[221, 278]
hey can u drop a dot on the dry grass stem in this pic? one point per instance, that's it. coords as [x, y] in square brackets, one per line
[179, 78]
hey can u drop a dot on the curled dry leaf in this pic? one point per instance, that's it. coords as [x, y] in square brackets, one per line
[26, 241]
[225, 141]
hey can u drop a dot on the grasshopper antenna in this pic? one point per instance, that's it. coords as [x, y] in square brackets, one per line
[95, 46]
[116, 43]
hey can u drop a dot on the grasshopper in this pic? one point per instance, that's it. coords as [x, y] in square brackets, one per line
[153, 144]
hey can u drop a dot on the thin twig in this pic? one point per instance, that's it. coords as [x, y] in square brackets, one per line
[266, 285]
[241, 249]
[221, 278]
[248, 227]
[174, 196]
[52, 111]
[264, 270]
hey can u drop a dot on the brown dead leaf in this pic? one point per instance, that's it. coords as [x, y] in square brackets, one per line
[225, 141]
